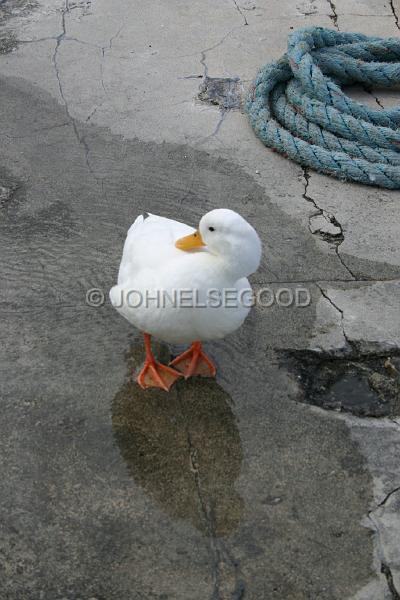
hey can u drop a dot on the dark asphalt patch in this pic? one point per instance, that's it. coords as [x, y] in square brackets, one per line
[364, 386]
[224, 92]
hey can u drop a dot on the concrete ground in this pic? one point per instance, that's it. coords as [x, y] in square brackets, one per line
[279, 480]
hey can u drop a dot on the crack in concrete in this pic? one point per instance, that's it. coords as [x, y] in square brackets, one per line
[380, 550]
[192, 77]
[219, 124]
[388, 496]
[35, 131]
[376, 99]
[343, 263]
[238, 8]
[370, 92]
[59, 40]
[203, 53]
[105, 49]
[385, 569]
[44, 39]
[395, 422]
[216, 558]
[66, 38]
[223, 92]
[307, 177]
[334, 15]
[73, 39]
[319, 211]
[379, 103]
[80, 138]
[203, 61]
[336, 240]
[341, 312]
[220, 556]
[92, 114]
[319, 280]
[396, 17]
[205, 76]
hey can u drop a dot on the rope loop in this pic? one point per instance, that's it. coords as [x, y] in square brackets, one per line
[297, 105]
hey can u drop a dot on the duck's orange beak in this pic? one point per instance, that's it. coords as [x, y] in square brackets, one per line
[190, 242]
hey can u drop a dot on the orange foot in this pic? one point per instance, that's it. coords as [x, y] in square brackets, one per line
[194, 362]
[153, 373]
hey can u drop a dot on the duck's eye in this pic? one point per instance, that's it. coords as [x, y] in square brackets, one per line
[211, 229]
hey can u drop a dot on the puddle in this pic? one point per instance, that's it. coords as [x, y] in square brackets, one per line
[365, 387]
[183, 448]
[352, 393]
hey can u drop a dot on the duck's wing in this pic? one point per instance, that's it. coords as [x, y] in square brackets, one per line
[150, 244]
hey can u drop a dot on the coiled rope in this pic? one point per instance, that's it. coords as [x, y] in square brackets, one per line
[298, 108]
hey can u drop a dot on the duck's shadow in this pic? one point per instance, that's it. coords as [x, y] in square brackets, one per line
[183, 448]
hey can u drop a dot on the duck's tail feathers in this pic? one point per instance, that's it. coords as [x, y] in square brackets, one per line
[139, 221]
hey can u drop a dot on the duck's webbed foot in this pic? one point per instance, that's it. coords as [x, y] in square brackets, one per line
[194, 362]
[155, 374]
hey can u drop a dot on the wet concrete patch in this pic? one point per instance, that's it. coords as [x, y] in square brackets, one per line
[363, 268]
[166, 179]
[364, 386]
[85, 495]
[183, 448]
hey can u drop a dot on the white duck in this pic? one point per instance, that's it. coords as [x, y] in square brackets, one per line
[173, 283]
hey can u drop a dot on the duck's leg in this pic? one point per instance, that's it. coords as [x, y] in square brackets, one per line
[194, 362]
[153, 373]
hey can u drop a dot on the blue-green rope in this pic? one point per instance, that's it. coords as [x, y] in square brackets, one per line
[298, 108]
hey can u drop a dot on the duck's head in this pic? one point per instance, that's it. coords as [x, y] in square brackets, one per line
[225, 234]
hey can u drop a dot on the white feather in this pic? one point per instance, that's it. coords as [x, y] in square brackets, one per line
[151, 265]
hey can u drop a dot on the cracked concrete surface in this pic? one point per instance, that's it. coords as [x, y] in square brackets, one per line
[224, 490]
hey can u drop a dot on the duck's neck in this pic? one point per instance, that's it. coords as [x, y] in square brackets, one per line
[237, 258]
[233, 267]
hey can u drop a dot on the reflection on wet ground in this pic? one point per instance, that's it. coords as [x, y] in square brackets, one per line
[183, 448]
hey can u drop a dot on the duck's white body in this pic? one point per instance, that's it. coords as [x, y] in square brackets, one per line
[153, 267]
